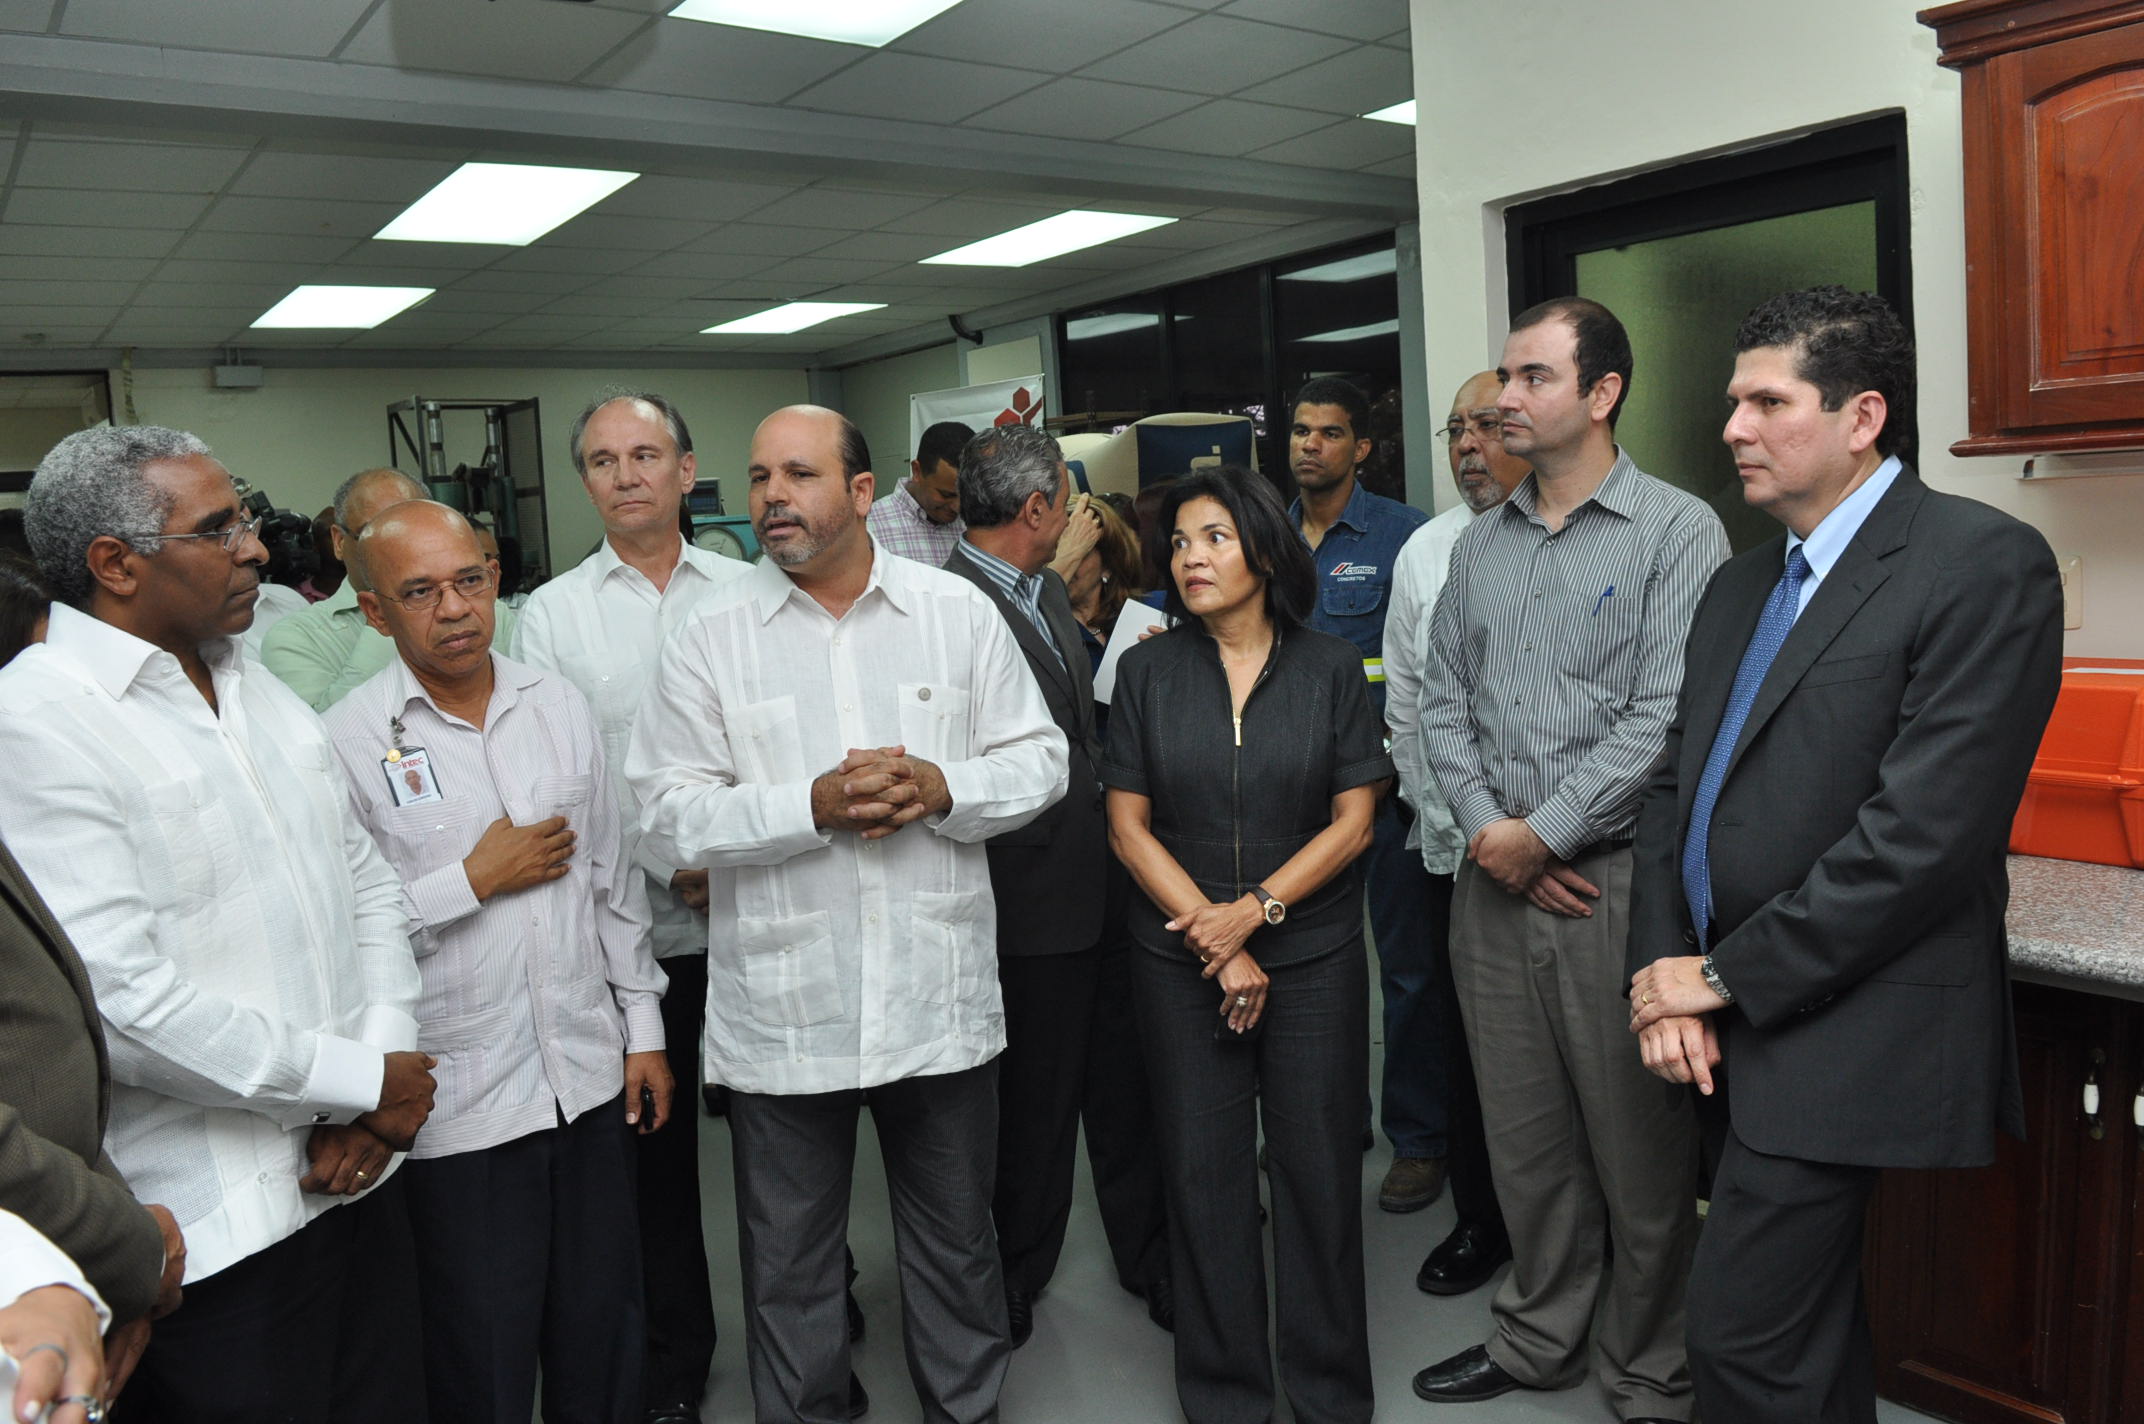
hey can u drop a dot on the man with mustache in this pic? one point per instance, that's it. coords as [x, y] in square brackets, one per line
[1355, 538]
[837, 734]
[1485, 475]
[541, 997]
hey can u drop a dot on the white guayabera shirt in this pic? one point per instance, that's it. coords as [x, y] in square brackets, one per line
[836, 962]
[244, 937]
[602, 625]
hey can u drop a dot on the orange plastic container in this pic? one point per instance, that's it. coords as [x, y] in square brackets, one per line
[2085, 797]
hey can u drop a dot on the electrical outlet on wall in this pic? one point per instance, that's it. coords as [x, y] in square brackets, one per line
[2073, 591]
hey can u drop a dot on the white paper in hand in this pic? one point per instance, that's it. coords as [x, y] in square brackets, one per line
[1134, 619]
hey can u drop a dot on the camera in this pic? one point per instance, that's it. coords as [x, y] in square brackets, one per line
[286, 535]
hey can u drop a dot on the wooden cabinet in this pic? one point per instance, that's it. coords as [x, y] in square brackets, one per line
[2016, 1292]
[2053, 95]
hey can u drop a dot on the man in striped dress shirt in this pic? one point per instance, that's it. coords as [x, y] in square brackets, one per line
[484, 783]
[1556, 660]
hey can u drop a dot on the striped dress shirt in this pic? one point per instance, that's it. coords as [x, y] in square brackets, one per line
[899, 525]
[532, 999]
[1557, 655]
[1023, 591]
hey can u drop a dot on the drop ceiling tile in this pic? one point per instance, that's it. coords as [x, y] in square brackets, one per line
[810, 273]
[1348, 144]
[706, 267]
[1358, 81]
[24, 241]
[142, 167]
[1044, 33]
[307, 216]
[513, 41]
[130, 332]
[18, 315]
[119, 271]
[603, 308]
[49, 337]
[637, 235]
[1190, 233]
[720, 62]
[917, 87]
[884, 247]
[446, 258]
[29, 292]
[1264, 217]
[1215, 54]
[500, 304]
[258, 296]
[262, 247]
[660, 195]
[785, 241]
[1356, 19]
[311, 29]
[1082, 108]
[1229, 127]
[540, 324]
[550, 284]
[90, 208]
[31, 15]
[1394, 168]
[970, 218]
[186, 269]
[594, 261]
[644, 288]
[343, 176]
[832, 206]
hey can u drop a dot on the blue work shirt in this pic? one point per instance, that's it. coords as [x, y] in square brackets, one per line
[1354, 563]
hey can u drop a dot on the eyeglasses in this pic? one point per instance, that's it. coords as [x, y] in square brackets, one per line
[417, 600]
[230, 535]
[1488, 427]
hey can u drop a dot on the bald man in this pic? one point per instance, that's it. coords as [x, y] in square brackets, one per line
[1422, 1021]
[835, 736]
[484, 783]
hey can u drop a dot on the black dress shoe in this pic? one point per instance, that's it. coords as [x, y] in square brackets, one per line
[1465, 1378]
[1463, 1260]
[859, 1402]
[856, 1319]
[715, 1097]
[1161, 1302]
[671, 1412]
[1020, 1315]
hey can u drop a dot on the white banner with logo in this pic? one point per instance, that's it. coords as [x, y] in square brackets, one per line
[1013, 402]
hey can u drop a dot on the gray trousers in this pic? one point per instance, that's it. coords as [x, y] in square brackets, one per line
[1584, 1144]
[794, 1157]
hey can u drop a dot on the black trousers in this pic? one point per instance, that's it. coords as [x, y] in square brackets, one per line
[1779, 1330]
[1049, 1004]
[527, 1254]
[673, 1245]
[321, 1326]
[1466, 1151]
[1303, 1074]
[1117, 1110]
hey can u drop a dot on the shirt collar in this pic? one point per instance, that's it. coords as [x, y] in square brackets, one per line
[509, 678]
[342, 600]
[1004, 571]
[1837, 529]
[1355, 514]
[891, 575]
[115, 657]
[913, 508]
[606, 561]
[1615, 493]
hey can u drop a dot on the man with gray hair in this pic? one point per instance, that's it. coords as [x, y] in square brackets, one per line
[178, 810]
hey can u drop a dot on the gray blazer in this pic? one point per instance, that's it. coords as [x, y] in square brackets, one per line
[1047, 876]
[57, 1088]
[1858, 843]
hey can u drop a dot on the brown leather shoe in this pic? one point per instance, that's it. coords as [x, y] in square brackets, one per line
[1411, 1184]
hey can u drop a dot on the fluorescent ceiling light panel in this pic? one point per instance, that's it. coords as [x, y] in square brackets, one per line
[1356, 333]
[511, 204]
[1400, 113]
[1086, 328]
[365, 307]
[794, 316]
[1348, 269]
[858, 22]
[1052, 237]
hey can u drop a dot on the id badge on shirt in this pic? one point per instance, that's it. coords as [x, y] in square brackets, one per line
[409, 776]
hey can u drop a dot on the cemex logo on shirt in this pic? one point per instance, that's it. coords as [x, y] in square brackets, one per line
[1348, 570]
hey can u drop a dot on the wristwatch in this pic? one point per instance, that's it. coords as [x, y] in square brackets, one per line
[1713, 981]
[1275, 911]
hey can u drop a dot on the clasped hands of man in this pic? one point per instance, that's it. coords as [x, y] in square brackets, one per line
[876, 791]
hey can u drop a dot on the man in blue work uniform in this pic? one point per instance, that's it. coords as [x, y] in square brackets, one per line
[1355, 538]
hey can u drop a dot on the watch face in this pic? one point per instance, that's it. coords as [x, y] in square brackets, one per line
[716, 539]
[1275, 912]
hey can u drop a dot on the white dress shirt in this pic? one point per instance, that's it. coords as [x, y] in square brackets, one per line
[602, 625]
[1417, 578]
[833, 961]
[532, 999]
[274, 605]
[29, 1261]
[245, 940]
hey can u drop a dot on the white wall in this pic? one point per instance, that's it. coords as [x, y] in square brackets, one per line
[304, 431]
[1536, 99]
[875, 396]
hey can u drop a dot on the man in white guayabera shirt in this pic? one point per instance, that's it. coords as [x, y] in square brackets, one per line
[177, 808]
[601, 625]
[484, 782]
[835, 736]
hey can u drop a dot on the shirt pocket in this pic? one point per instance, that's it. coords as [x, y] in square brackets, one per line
[179, 811]
[610, 678]
[1598, 644]
[566, 796]
[944, 944]
[788, 969]
[765, 743]
[420, 839]
[934, 720]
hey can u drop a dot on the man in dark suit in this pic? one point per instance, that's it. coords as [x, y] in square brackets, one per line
[1047, 877]
[53, 1169]
[1817, 909]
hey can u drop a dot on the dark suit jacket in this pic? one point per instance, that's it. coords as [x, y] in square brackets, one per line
[1858, 843]
[57, 1085]
[1047, 875]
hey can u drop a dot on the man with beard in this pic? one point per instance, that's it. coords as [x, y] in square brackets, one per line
[1429, 1007]
[1355, 538]
[837, 734]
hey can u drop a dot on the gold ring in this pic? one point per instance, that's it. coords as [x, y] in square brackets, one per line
[361, 1174]
[1648, 998]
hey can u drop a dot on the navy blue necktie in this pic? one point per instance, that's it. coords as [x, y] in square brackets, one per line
[1773, 625]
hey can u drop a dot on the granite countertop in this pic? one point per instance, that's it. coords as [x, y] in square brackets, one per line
[2077, 923]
